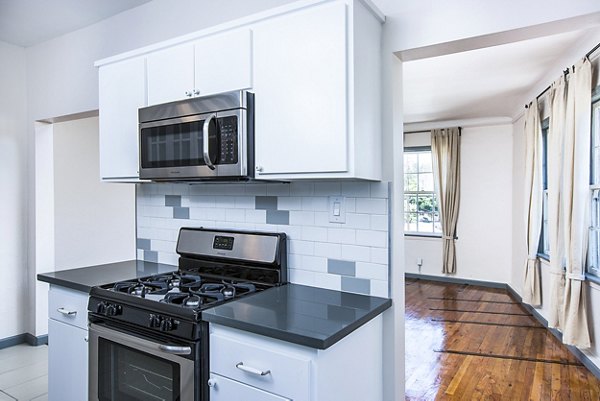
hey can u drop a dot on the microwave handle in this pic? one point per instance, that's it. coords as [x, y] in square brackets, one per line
[205, 142]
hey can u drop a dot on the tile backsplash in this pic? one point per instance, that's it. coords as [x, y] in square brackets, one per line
[350, 256]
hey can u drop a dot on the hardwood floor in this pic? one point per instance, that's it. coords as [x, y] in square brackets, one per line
[24, 373]
[475, 343]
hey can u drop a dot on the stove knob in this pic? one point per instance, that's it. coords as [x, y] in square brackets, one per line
[167, 325]
[113, 310]
[154, 321]
[101, 308]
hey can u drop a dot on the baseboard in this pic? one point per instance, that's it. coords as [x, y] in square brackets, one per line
[23, 338]
[454, 280]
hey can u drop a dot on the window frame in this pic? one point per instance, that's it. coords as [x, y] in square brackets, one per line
[593, 257]
[543, 245]
[432, 234]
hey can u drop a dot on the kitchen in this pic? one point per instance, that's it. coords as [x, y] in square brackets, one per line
[61, 80]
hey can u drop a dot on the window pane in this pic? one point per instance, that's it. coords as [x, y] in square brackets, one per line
[411, 182]
[410, 162]
[410, 203]
[426, 182]
[425, 203]
[425, 162]
[426, 222]
[437, 225]
[596, 164]
[410, 222]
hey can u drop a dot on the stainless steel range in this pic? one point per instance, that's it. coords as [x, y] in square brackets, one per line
[147, 339]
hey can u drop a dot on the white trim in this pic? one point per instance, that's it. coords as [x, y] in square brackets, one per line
[369, 5]
[471, 122]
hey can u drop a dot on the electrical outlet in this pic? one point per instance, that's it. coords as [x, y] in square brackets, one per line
[419, 262]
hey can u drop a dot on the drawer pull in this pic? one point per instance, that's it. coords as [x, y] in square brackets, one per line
[70, 313]
[254, 371]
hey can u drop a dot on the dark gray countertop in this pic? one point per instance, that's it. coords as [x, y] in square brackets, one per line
[308, 316]
[83, 279]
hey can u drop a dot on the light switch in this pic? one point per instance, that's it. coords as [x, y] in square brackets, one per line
[337, 209]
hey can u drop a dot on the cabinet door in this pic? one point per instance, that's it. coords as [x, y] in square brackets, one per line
[122, 91]
[300, 81]
[170, 74]
[67, 362]
[224, 389]
[223, 62]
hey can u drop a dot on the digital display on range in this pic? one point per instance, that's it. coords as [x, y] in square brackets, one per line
[222, 242]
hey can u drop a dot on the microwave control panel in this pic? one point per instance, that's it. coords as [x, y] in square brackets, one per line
[229, 140]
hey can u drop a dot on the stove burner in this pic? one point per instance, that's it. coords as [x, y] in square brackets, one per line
[188, 300]
[138, 288]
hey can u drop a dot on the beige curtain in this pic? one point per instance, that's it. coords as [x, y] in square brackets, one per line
[575, 205]
[445, 149]
[534, 188]
[558, 98]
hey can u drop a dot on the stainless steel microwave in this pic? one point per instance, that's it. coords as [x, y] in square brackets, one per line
[203, 138]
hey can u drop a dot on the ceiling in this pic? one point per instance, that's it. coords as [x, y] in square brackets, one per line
[487, 82]
[29, 22]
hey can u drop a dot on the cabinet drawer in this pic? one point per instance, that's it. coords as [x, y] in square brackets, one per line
[68, 306]
[224, 389]
[282, 373]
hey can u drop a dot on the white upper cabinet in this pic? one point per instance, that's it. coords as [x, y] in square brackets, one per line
[122, 92]
[214, 64]
[317, 84]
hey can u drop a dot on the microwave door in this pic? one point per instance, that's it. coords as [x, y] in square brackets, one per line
[176, 148]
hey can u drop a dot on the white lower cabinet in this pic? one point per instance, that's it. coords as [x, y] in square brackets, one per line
[249, 367]
[67, 345]
[224, 389]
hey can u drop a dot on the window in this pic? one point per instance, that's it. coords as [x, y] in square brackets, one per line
[594, 237]
[544, 248]
[421, 214]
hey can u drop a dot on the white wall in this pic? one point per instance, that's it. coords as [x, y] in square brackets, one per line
[483, 248]
[13, 201]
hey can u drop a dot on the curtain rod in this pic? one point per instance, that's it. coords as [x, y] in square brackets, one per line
[566, 71]
[428, 131]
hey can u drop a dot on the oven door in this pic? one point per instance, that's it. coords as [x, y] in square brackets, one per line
[200, 146]
[125, 367]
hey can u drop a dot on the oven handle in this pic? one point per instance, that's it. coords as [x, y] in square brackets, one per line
[205, 142]
[175, 349]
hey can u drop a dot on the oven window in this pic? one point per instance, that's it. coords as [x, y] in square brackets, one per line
[126, 374]
[177, 145]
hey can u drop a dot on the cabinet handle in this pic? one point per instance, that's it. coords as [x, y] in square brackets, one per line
[196, 92]
[67, 312]
[259, 168]
[188, 93]
[212, 383]
[254, 371]
[205, 143]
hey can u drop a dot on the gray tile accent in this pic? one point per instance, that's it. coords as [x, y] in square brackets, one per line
[143, 243]
[181, 212]
[278, 217]
[151, 256]
[343, 267]
[266, 203]
[173, 200]
[358, 285]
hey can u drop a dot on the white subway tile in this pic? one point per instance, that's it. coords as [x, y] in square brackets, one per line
[180, 189]
[207, 201]
[294, 261]
[314, 263]
[198, 213]
[302, 277]
[225, 202]
[379, 288]
[256, 216]
[373, 271]
[322, 220]
[380, 189]
[350, 205]
[292, 232]
[302, 218]
[216, 214]
[317, 234]
[379, 222]
[289, 203]
[354, 220]
[372, 238]
[356, 253]
[356, 189]
[316, 203]
[140, 254]
[380, 255]
[168, 258]
[235, 215]
[301, 247]
[302, 188]
[371, 206]
[278, 189]
[341, 235]
[244, 202]
[157, 211]
[328, 188]
[328, 250]
[329, 281]
[256, 189]
[163, 246]
[245, 226]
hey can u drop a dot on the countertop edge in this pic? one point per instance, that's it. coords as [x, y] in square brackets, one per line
[294, 337]
[64, 283]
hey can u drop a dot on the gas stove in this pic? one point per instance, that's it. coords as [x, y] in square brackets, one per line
[147, 335]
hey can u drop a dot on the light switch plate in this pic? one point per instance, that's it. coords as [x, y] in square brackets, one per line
[337, 209]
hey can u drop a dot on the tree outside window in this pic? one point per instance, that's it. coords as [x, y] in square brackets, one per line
[421, 214]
